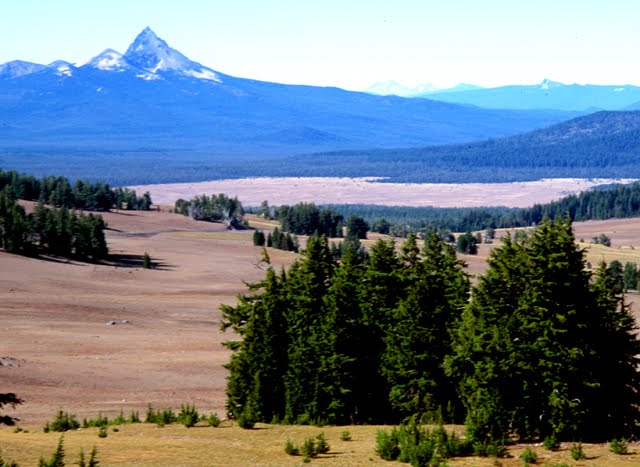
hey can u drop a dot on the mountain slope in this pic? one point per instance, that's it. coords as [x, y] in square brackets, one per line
[546, 95]
[18, 68]
[153, 100]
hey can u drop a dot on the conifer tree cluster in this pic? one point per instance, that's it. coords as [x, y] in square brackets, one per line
[540, 348]
[58, 232]
[219, 208]
[58, 192]
[544, 349]
[356, 341]
[282, 241]
[308, 219]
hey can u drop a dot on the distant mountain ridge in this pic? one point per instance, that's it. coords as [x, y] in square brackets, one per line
[154, 100]
[546, 95]
[393, 88]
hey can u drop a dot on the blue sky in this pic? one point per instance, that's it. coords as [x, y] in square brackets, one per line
[350, 44]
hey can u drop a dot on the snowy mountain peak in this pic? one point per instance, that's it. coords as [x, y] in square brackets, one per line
[154, 55]
[387, 88]
[108, 60]
[548, 84]
[17, 68]
[62, 68]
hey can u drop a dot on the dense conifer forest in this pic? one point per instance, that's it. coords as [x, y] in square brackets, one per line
[539, 349]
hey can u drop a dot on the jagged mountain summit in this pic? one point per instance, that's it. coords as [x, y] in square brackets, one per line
[156, 103]
[148, 56]
[154, 55]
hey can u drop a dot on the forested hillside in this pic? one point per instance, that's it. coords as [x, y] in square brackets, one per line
[600, 145]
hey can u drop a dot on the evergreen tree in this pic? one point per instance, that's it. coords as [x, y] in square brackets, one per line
[345, 330]
[614, 411]
[357, 227]
[258, 237]
[617, 272]
[381, 289]
[258, 365]
[527, 349]
[14, 228]
[467, 244]
[419, 338]
[307, 285]
[630, 278]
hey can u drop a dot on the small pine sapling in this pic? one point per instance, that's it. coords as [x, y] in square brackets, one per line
[618, 446]
[291, 448]
[57, 458]
[577, 452]
[213, 420]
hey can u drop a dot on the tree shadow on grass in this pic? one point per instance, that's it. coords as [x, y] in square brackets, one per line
[136, 261]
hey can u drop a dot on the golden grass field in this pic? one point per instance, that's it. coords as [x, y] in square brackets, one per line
[228, 445]
[58, 352]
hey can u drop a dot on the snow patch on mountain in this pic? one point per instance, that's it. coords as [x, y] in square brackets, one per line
[204, 73]
[148, 76]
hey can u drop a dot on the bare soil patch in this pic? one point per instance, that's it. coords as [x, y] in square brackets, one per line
[335, 190]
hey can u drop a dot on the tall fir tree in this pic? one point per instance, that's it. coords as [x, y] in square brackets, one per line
[419, 338]
[526, 351]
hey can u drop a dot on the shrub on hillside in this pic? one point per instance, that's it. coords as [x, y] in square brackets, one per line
[188, 415]
[63, 422]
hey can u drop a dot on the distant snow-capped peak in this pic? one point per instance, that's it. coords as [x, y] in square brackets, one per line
[154, 55]
[109, 60]
[548, 84]
[387, 88]
[17, 68]
[394, 88]
[62, 68]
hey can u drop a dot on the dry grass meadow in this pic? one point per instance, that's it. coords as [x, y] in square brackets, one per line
[57, 350]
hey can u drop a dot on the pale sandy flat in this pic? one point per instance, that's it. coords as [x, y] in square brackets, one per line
[335, 190]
